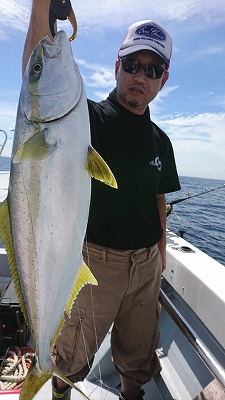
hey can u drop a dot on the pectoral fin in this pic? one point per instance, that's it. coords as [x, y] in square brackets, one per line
[6, 237]
[34, 148]
[98, 169]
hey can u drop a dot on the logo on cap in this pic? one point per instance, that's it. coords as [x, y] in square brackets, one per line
[151, 31]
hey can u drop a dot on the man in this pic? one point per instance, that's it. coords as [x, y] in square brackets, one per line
[126, 235]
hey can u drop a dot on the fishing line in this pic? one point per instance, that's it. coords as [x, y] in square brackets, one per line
[95, 329]
[100, 379]
[177, 216]
[93, 313]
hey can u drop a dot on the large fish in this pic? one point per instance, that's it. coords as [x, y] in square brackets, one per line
[44, 218]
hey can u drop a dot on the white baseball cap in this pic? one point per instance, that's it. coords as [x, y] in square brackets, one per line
[147, 35]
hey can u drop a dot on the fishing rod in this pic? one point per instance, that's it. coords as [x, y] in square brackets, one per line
[169, 206]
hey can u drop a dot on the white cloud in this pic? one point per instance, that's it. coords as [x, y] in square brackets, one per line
[101, 95]
[8, 109]
[198, 139]
[115, 14]
[209, 98]
[157, 103]
[209, 122]
[100, 76]
[14, 14]
[198, 142]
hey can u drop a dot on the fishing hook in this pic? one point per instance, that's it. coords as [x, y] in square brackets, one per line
[62, 10]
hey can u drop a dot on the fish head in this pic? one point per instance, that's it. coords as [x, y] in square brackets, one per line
[52, 83]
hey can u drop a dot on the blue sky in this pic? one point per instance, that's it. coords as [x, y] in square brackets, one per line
[191, 106]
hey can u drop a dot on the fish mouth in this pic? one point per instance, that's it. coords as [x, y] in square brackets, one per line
[50, 46]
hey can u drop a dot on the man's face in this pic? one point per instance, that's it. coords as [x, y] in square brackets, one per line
[136, 91]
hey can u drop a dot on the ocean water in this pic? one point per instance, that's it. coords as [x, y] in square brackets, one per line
[4, 163]
[201, 217]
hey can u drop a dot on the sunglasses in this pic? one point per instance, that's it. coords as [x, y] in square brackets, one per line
[133, 67]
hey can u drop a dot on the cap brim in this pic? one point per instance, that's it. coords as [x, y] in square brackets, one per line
[133, 49]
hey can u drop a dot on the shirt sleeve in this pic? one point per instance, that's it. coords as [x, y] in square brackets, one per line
[169, 180]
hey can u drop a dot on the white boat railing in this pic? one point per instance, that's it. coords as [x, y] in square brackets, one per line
[4, 141]
[205, 354]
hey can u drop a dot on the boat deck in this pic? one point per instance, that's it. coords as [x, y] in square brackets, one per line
[183, 374]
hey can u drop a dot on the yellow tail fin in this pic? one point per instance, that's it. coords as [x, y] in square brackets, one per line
[57, 373]
[33, 382]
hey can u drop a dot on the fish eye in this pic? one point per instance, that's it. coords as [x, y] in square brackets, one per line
[37, 68]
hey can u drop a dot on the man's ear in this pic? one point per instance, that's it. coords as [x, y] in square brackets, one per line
[164, 79]
[117, 64]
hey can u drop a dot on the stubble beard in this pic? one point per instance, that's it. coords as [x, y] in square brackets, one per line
[133, 103]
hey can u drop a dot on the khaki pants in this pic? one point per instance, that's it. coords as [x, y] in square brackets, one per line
[126, 295]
